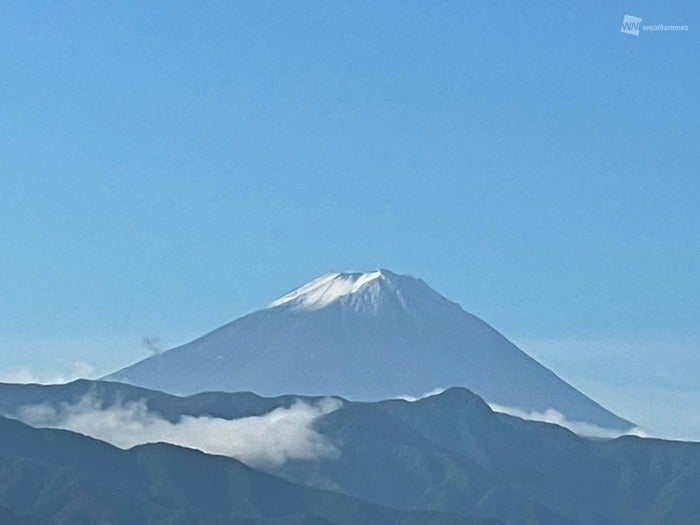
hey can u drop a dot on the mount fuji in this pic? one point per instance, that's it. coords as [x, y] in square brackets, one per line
[365, 336]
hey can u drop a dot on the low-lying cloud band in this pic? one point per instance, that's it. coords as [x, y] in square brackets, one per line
[270, 439]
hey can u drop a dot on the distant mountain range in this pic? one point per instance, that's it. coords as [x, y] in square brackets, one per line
[365, 336]
[58, 477]
[447, 454]
[343, 438]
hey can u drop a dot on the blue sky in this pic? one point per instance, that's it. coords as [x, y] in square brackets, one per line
[165, 168]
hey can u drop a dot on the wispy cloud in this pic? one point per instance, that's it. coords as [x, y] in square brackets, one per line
[411, 399]
[25, 375]
[649, 380]
[49, 361]
[152, 344]
[271, 439]
[555, 417]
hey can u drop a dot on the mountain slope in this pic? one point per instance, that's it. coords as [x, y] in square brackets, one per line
[63, 477]
[364, 336]
[8, 517]
[448, 452]
[451, 452]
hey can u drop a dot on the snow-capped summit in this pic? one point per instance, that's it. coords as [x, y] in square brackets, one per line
[365, 336]
[328, 288]
[353, 288]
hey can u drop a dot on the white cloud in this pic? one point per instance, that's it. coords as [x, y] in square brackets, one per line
[411, 399]
[557, 418]
[651, 381]
[271, 439]
[24, 375]
[668, 413]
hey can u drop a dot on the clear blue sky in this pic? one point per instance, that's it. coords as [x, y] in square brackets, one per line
[165, 168]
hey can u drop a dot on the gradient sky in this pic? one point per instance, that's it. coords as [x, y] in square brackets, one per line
[167, 167]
